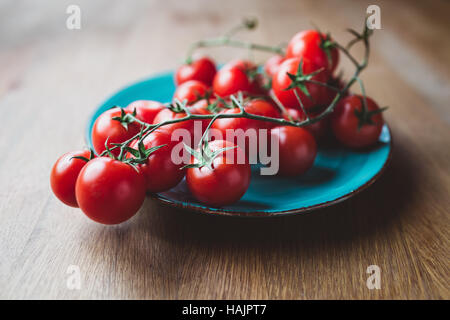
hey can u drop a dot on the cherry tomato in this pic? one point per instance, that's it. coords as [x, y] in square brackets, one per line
[191, 91]
[281, 81]
[240, 128]
[264, 108]
[226, 182]
[107, 128]
[201, 108]
[306, 45]
[64, 176]
[146, 110]
[297, 150]
[169, 114]
[160, 171]
[349, 129]
[109, 191]
[256, 107]
[329, 94]
[318, 129]
[202, 69]
[236, 76]
[272, 64]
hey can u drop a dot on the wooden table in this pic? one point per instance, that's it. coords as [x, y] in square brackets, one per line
[51, 79]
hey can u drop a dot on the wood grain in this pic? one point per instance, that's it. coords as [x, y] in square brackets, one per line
[52, 78]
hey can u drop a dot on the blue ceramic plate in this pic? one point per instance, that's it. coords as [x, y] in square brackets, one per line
[338, 173]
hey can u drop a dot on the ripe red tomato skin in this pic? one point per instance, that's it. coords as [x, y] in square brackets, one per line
[160, 172]
[272, 64]
[106, 128]
[233, 78]
[344, 123]
[306, 44]
[244, 65]
[256, 107]
[146, 110]
[318, 129]
[191, 91]
[328, 94]
[264, 108]
[167, 114]
[281, 81]
[109, 191]
[233, 124]
[200, 108]
[230, 81]
[64, 175]
[226, 183]
[297, 150]
[202, 69]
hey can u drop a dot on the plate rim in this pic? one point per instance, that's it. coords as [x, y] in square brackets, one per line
[284, 213]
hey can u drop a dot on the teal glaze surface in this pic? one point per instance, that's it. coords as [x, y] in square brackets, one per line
[338, 172]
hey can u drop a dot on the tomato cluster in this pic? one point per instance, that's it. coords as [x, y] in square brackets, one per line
[131, 160]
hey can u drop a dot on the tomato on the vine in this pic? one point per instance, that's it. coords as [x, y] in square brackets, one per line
[239, 130]
[272, 64]
[236, 76]
[109, 191]
[106, 128]
[261, 107]
[160, 170]
[146, 110]
[222, 182]
[202, 69]
[168, 114]
[201, 108]
[328, 94]
[191, 91]
[64, 176]
[318, 129]
[355, 127]
[281, 81]
[297, 150]
[312, 45]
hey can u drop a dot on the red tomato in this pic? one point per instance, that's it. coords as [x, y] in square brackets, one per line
[168, 114]
[297, 150]
[233, 123]
[328, 94]
[226, 183]
[160, 171]
[272, 64]
[230, 81]
[257, 107]
[244, 65]
[264, 108]
[318, 129]
[64, 175]
[281, 81]
[230, 129]
[201, 108]
[345, 122]
[107, 128]
[109, 191]
[244, 138]
[146, 110]
[235, 77]
[191, 91]
[306, 45]
[202, 70]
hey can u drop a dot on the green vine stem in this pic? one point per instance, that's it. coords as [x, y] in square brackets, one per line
[149, 128]
[227, 40]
